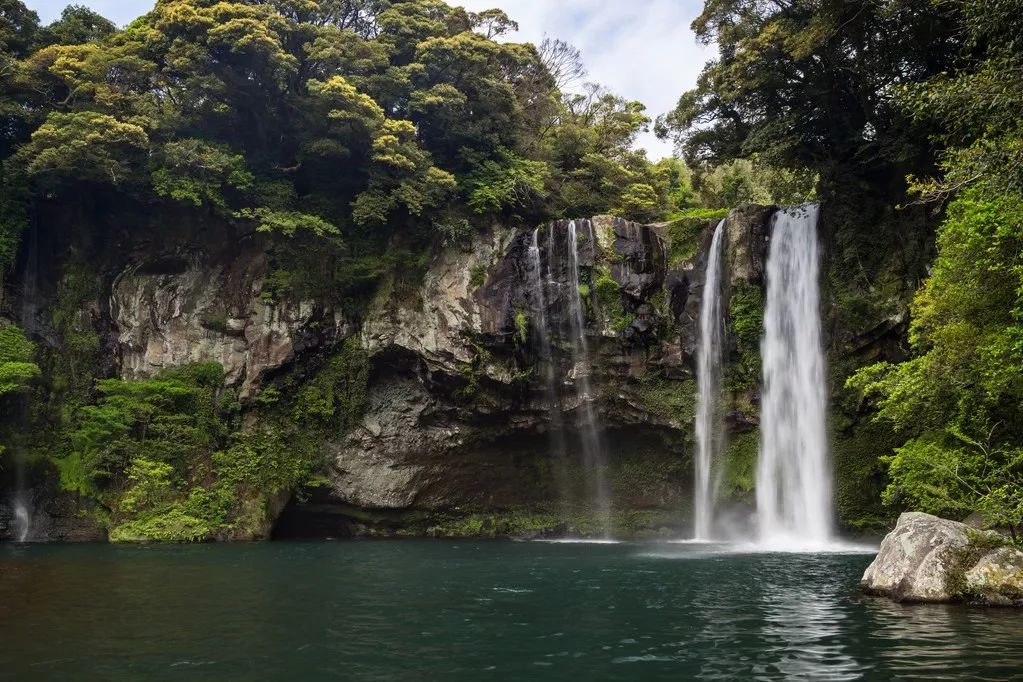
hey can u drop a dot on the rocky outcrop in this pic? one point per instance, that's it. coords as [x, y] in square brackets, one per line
[747, 228]
[929, 559]
[175, 309]
[458, 412]
[465, 409]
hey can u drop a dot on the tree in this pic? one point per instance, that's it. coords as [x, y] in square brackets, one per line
[563, 61]
[77, 24]
[18, 28]
[813, 85]
[17, 366]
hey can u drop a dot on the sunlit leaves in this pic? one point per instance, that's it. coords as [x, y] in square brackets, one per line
[288, 223]
[197, 173]
[87, 146]
[508, 183]
[17, 367]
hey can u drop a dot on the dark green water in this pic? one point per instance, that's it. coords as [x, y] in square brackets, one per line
[422, 610]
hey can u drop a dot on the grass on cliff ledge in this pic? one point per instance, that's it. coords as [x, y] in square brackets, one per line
[684, 232]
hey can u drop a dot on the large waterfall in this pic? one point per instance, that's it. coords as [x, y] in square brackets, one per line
[793, 478]
[708, 376]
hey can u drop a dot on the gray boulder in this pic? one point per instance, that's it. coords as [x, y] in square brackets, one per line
[997, 579]
[929, 559]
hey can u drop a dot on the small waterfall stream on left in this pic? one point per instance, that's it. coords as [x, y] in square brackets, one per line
[21, 502]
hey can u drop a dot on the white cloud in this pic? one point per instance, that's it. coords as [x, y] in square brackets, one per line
[641, 49]
[121, 12]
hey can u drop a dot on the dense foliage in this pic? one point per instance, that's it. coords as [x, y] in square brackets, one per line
[959, 400]
[354, 123]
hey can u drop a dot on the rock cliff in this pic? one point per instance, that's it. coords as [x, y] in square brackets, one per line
[473, 409]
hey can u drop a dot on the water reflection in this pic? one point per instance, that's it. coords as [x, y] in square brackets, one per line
[944, 642]
[471, 611]
[803, 626]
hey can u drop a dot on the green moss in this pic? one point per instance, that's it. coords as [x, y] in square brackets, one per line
[740, 466]
[335, 397]
[478, 275]
[683, 234]
[214, 322]
[579, 521]
[74, 367]
[473, 372]
[965, 558]
[746, 320]
[608, 296]
[859, 473]
[508, 523]
[521, 327]
[673, 401]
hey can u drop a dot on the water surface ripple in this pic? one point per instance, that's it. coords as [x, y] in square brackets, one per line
[466, 610]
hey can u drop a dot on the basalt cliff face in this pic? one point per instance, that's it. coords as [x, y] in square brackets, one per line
[471, 378]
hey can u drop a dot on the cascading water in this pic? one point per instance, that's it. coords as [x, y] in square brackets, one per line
[21, 502]
[538, 282]
[593, 450]
[708, 377]
[793, 478]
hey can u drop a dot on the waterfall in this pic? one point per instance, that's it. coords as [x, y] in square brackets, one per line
[21, 502]
[593, 449]
[537, 284]
[793, 478]
[708, 378]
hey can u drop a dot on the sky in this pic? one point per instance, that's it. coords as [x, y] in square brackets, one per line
[640, 49]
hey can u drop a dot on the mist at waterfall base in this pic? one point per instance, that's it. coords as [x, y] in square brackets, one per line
[473, 610]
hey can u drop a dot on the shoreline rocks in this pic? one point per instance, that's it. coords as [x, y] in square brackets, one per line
[926, 559]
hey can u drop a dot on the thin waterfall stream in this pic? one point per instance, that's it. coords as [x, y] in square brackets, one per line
[22, 503]
[539, 279]
[709, 360]
[793, 482]
[593, 449]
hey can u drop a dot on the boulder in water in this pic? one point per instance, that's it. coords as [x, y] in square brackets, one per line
[929, 559]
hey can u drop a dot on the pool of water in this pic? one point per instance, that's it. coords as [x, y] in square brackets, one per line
[468, 610]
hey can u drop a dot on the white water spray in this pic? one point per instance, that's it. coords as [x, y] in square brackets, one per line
[708, 378]
[793, 477]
